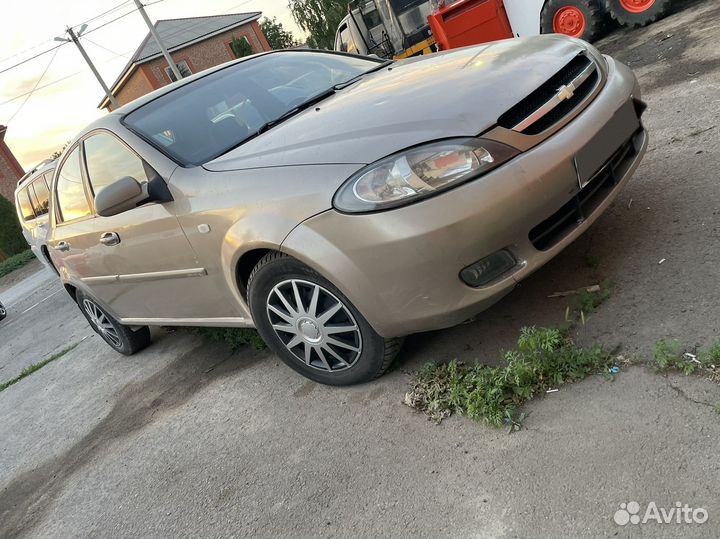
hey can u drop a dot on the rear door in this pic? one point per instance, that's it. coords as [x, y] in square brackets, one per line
[73, 240]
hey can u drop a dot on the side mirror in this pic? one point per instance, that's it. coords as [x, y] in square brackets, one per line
[120, 196]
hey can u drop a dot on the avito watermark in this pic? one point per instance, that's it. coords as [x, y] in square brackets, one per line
[680, 513]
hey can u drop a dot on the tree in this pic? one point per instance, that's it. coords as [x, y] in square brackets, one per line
[12, 241]
[320, 19]
[277, 36]
[241, 47]
[57, 153]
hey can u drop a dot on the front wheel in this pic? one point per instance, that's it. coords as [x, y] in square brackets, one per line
[3, 312]
[575, 18]
[634, 13]
[312, 327]
[121, 338]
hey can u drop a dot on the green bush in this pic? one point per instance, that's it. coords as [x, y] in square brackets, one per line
[12, 241]
[15, 262]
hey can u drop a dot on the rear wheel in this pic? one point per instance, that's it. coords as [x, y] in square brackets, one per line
[576, 18]
[312, 327]
[634, 13]
[3, 312]
[121, 338]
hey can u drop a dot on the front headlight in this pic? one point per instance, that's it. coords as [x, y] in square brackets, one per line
[419, 172]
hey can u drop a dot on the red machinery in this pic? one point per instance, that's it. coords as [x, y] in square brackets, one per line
[469, 22]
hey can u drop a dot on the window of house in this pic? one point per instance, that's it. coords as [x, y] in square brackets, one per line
[108, 160]
[183, 68]
[71, 197]
[41, 202]
[26, 209]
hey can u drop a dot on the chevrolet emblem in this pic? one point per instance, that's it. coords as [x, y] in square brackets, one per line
[566, 91]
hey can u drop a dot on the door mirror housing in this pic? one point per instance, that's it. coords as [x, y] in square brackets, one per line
[122, 195]
[127, 193]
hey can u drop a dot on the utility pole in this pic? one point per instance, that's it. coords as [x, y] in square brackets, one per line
[153, 32]
[74, 39]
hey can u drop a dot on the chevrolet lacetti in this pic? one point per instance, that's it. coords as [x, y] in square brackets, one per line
[338, 203]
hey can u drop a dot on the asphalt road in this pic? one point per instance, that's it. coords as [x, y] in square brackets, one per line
[188, 439]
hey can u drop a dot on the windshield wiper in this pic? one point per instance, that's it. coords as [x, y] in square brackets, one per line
[312, 100]
[356, 78]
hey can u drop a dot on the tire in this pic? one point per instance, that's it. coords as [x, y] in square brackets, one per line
[3, 312]
[325, 338]
[634, 13]
[576, 18]
[118, 336]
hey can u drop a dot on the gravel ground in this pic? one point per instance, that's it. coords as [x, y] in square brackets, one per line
[188, 439]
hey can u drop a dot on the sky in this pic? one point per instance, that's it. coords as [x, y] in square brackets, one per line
[54, 114]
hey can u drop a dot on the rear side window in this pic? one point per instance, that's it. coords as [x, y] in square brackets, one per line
[71, 197]
[42, 196]
[26, 209]
[108, 160]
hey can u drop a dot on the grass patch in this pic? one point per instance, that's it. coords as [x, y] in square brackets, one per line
[15, 262]
[711, 356]
[671, 355]
[235, 337]
[544, 359]
[27, 371]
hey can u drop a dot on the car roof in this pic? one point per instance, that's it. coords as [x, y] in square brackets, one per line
[39, 169]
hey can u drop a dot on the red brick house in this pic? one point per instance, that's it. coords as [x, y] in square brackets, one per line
[195, 43]
[10, 169]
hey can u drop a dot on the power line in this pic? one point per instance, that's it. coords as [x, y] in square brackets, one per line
[32, 58]
[34, 88]
[56, 81]
[105, 48]
[133, 10]
[101, 15]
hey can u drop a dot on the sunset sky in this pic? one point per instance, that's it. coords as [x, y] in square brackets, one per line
[54, 114]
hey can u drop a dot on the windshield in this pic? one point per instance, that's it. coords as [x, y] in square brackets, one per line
[204, 119]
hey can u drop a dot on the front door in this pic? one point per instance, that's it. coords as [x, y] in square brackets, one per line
[145, 265]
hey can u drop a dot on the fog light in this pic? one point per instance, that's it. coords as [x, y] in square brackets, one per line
[488, 269]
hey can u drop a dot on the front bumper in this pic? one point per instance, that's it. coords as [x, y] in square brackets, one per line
[400, 267]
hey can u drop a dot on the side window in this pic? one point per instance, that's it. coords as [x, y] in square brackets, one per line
[42, 196]
[343, 39]
[26, 209]
[108, 160]
[71, 197]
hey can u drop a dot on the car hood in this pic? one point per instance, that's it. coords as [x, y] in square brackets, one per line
[451, 94]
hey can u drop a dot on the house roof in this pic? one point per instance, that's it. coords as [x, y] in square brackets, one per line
[177, 34]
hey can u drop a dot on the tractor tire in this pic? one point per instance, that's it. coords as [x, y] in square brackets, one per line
[635, 13]
[576, 18]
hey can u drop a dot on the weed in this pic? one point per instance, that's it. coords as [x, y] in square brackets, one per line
[543, 359]
[587, 303]
[717, 408]
[235, 337]
[27, 371]
[711, 357]
[15, 262]
[669, 355]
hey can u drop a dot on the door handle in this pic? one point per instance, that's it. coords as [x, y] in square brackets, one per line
[63, 246]
[110, 238]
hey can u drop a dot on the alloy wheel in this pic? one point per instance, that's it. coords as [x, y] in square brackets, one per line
[3, 312]
[101, 323]
[314, 325]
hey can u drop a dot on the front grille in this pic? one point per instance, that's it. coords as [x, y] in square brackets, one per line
[548, 91]
[586, 201]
